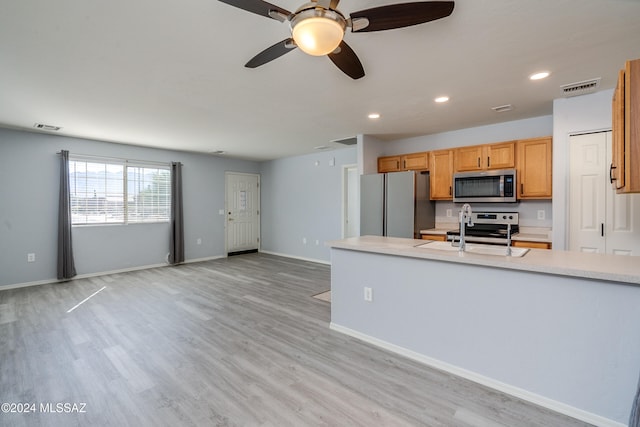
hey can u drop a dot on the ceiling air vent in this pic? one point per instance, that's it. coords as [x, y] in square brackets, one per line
[347, 141]
[46, 127]
[502, 108]
[580, 88]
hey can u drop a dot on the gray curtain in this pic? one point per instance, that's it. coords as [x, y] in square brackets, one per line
[66, 266]
[634, 419]
[176, 250]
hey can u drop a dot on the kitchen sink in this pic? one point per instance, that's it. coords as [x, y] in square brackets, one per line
[475, 248]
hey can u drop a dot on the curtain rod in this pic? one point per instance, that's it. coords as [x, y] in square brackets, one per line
[120, 159]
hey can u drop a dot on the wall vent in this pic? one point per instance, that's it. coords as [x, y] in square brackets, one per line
[42, 126]
[347, 141]
[580, 88]
[502, 108]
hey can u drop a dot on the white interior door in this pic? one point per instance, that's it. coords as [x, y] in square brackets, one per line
[587, 196]
[242, 200]
[600, 220]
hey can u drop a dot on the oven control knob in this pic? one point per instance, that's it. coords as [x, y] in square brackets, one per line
[510, 216]
[504, 217]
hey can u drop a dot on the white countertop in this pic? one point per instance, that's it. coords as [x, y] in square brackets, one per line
[614, 268]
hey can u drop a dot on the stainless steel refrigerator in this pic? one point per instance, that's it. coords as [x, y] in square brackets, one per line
[396, 204]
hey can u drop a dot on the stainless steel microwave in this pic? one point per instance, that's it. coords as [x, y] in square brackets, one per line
[493, 186]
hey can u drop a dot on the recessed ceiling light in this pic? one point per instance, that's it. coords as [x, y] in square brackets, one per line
[374, 116]
[539, 76]
[441, 99]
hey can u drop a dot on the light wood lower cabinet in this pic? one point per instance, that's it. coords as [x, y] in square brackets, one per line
[533, 245]
[437, 237]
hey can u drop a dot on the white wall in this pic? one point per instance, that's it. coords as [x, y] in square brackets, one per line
[302, 199]
[29, 209]
[581, 114]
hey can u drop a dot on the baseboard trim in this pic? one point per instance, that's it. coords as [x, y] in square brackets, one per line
[102, 273]
[520, 393]
[318, 261]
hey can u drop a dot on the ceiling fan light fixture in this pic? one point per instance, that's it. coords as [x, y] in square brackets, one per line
[318, 31]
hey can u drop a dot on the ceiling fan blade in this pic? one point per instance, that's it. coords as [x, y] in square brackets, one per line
[346, 59]
[402, 15]
[257, 6]
[271, 53]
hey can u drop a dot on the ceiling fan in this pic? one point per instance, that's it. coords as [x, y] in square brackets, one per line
[318, 27]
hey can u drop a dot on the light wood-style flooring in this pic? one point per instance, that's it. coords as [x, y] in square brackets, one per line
[231, 342]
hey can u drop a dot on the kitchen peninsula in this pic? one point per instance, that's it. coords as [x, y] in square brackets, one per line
[560, 329]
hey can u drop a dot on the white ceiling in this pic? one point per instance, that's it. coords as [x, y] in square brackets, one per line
[171, 74]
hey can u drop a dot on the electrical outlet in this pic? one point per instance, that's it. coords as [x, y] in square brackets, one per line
[31, 257]
[368, 294]
[449, 213]
[541, 214]
[199, 241]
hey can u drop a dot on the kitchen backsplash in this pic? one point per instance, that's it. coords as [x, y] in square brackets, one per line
[533, 213]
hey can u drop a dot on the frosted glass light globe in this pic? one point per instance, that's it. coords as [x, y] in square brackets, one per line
[317, 36]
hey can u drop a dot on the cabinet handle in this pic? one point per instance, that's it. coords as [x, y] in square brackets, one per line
[478, 161]
[404, 164]
[521, 188]
[397, 164]
[611, 168]
[488, 161]
[602, 229]
[450, 192]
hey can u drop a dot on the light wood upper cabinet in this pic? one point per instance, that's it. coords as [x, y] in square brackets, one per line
[389, 164]
[441, 175]
[469, 158]
[413, 161]
[534, 168]
[501, 156]
[485, 157]
[625, 166]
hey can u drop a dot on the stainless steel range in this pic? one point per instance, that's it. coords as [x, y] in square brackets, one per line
[489, 227]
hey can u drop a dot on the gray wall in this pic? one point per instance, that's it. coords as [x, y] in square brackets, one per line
[303, 200]
[568, 343]
[518, 129]
[28, 209]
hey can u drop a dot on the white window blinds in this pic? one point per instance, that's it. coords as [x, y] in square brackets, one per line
[112, 191]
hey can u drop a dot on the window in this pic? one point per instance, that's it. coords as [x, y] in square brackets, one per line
[118, 191]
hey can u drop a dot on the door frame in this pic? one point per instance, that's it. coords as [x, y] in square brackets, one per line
[345, 197]
[226, 209]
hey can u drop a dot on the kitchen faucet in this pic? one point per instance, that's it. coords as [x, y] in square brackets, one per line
[465, 220]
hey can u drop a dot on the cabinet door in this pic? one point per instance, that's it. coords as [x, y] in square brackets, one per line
[534, 168]
[469, 158]
[441, 174]
[501, 156]
[415, 161]
[616, 169]
[632, 127]
[388, 164]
